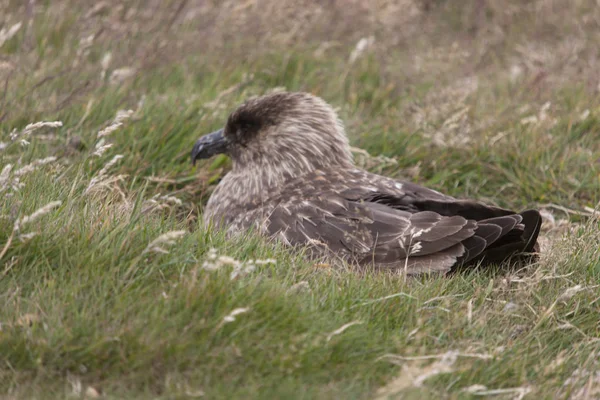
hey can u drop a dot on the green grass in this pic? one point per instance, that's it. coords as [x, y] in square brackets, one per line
[85, 304]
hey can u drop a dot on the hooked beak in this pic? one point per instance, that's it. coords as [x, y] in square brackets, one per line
[209, 145]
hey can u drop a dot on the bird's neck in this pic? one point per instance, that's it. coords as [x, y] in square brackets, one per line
[245, 189]
[249, 186]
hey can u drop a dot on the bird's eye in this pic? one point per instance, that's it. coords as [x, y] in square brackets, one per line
[246, 131]
[242, 137]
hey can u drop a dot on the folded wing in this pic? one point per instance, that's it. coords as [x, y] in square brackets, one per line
[372, 231]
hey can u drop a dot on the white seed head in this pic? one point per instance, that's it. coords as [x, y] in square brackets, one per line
[166, 239]
[37, 214]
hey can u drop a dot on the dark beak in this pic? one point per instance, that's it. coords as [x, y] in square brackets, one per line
[209, 145]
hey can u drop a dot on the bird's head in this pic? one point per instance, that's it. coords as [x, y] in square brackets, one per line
[291, 132]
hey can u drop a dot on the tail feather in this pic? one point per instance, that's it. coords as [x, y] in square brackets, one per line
[533, 222]
[502, 237]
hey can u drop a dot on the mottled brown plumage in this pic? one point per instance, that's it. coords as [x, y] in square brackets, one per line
[293, 179]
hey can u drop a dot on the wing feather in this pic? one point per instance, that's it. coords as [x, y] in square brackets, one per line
[373, 232]
[399, 225]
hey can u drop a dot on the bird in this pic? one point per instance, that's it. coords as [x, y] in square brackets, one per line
[293, 180]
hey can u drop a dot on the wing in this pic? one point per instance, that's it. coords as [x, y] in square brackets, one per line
[374, 220]
[370, 232]
[414, 198]
[519, 237]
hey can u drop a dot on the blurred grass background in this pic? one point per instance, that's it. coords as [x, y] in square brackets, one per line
[496, 100]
